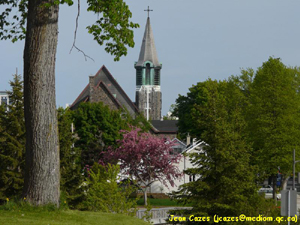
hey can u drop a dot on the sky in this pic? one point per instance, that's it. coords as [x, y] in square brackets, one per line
[195, 40]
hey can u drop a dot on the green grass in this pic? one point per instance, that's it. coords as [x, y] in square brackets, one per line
[14, 215]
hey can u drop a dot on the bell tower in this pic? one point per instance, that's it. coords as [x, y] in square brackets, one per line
[148, 94]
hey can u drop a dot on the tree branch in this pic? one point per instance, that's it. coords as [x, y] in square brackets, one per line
[75, 35]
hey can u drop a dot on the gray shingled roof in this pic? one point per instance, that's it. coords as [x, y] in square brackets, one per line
[165, 125]
[148, 50]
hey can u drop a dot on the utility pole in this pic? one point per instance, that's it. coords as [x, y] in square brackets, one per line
[294, 165]
[289, 197]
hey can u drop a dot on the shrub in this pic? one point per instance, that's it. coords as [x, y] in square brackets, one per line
[106, 194]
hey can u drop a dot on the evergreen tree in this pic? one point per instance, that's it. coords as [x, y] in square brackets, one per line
[70, 161]
[12, 142]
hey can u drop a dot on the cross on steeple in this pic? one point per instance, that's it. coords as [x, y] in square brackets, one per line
[148, 10]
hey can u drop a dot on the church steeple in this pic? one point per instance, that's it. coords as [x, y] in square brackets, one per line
[148, 67]
[148, 95]
[148, 50]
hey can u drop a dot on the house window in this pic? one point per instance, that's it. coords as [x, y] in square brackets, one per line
[4, 100]
[192, 178]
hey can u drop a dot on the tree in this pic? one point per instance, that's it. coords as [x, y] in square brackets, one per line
[184, 108]
[71, 168]
[253, 116]
[145, 158]
[169, 115]
[12, 142]
[42, 144]
[226, 180]
[98, 127]
[274, 118]
[95, 127]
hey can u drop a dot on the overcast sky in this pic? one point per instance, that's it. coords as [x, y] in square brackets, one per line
[195, 40]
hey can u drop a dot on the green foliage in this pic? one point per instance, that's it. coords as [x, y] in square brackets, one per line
[105, 194]
[12, 142]
[94, 121]
[66, 217]
[251, 125]
[139, 121]
[225, 183]
[98, 127]
[12, 24]
[183, 110]
[274, 115]
[17, 205]
[114, 27]
[70, 161]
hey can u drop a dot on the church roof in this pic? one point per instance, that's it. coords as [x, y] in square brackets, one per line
[148, 50]
[106, 81]
[165, 126]
[109, 93]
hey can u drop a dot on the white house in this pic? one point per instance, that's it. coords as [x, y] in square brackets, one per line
[185, 163]
[4, 98]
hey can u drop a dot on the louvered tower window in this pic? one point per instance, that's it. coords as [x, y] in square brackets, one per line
[157, 77]
[139, 76]
[147, 73]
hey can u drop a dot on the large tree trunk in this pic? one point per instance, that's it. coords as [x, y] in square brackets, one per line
[42, 175]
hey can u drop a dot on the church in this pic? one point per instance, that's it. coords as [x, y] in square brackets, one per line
[103, 87]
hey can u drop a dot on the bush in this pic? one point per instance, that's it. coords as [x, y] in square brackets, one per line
[105, 194]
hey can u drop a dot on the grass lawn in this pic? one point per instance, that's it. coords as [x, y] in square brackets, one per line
[67, 217]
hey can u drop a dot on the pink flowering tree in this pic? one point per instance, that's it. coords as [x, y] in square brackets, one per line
[145, 158]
